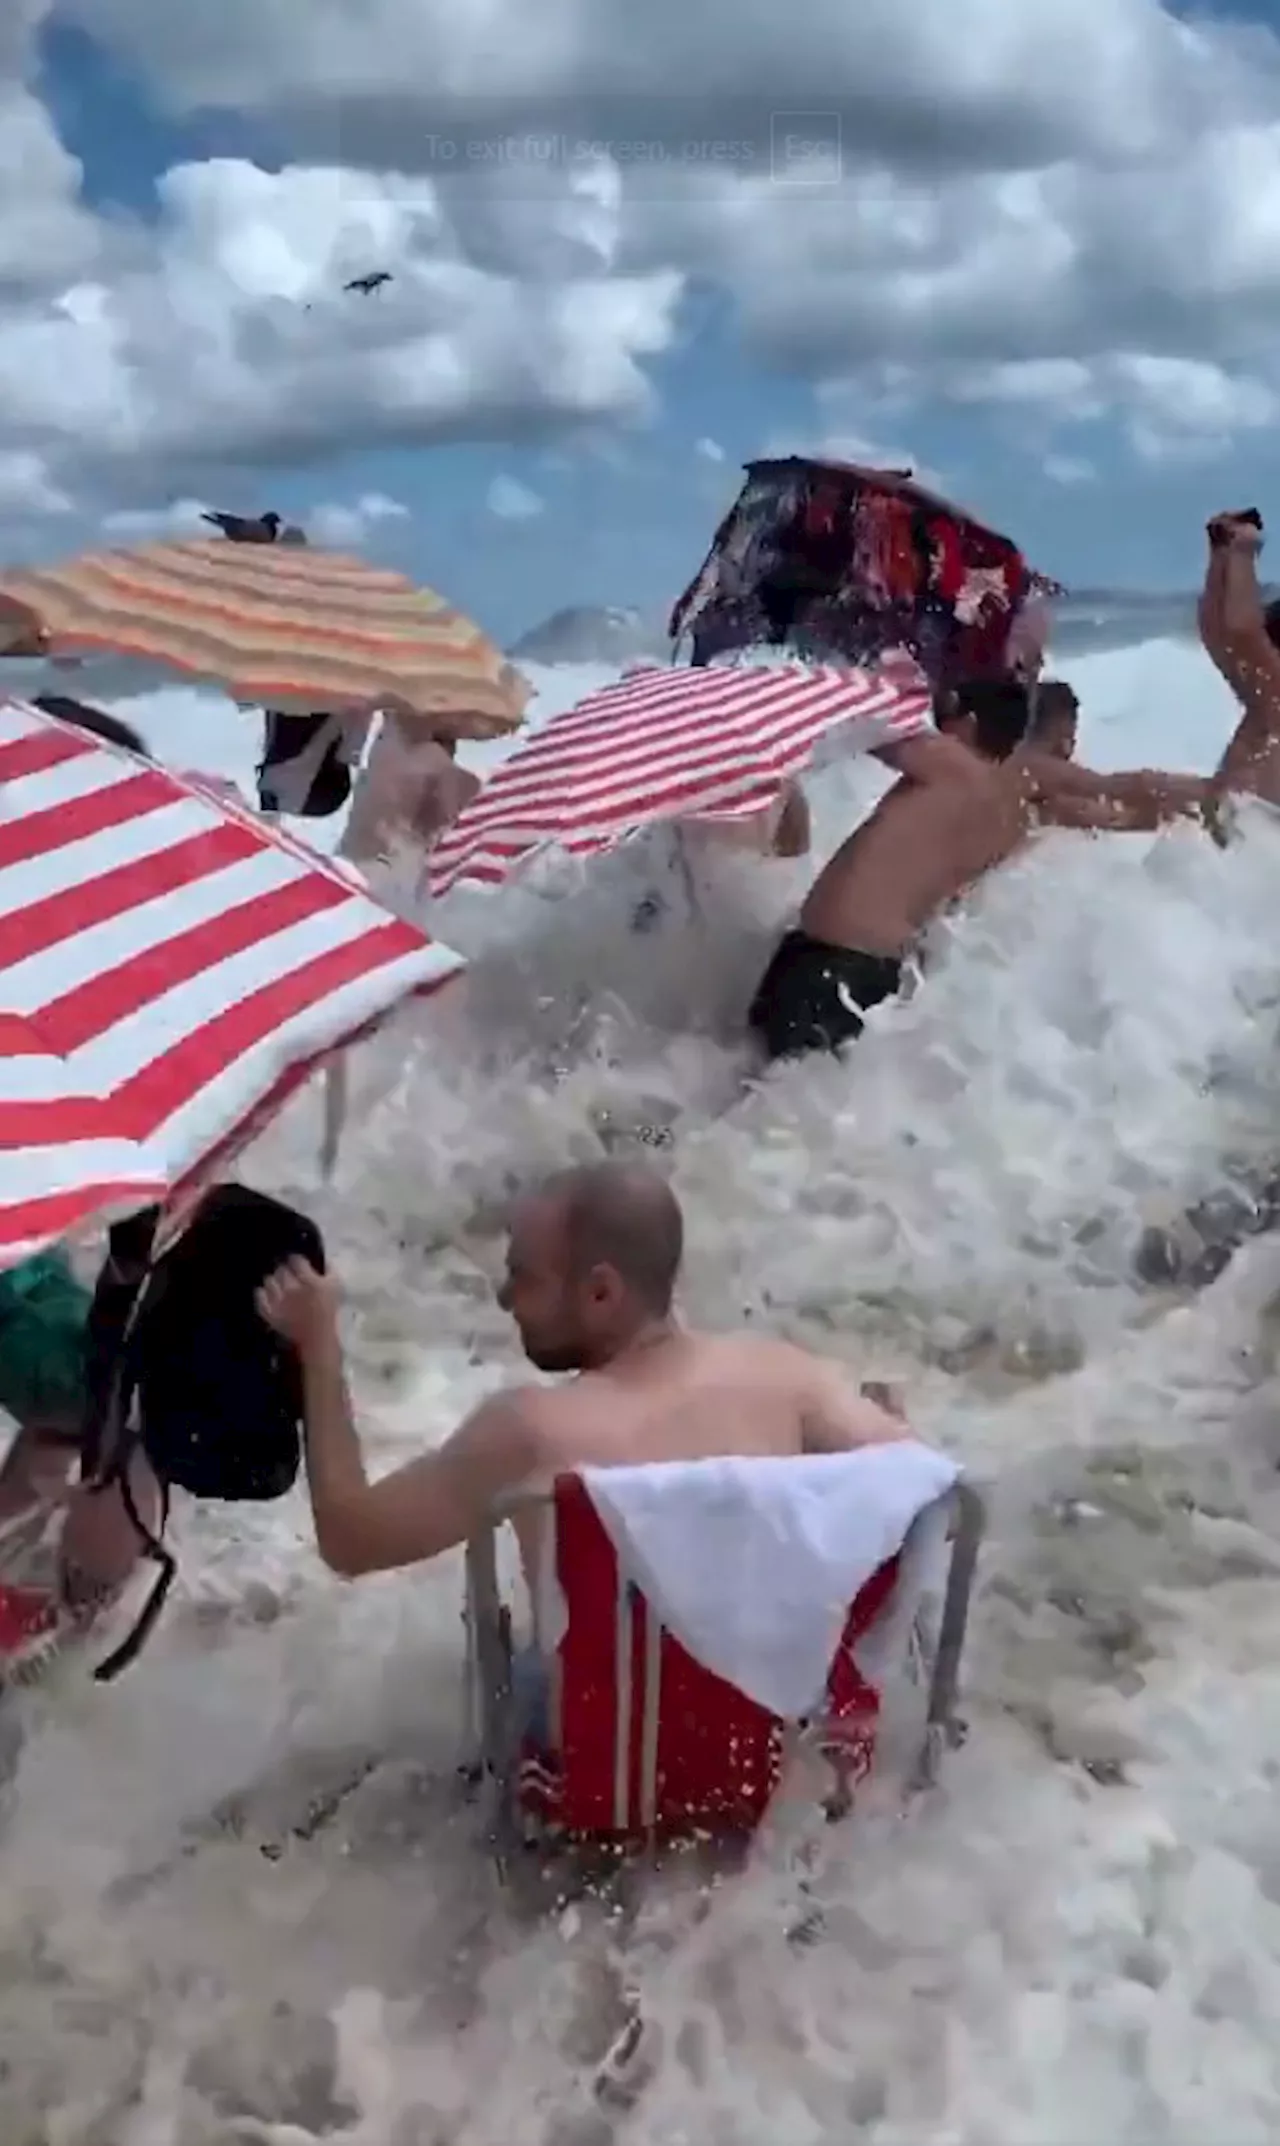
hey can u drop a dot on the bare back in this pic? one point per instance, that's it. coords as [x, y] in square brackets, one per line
[922, 846]
[698, 1397]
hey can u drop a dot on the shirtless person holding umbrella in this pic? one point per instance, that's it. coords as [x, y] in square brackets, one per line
[925, 845]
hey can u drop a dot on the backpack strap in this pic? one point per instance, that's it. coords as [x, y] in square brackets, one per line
[118, 1439]
[133, 1643]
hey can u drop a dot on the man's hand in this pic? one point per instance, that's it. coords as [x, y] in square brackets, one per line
[1238, 530]
[300, 1305]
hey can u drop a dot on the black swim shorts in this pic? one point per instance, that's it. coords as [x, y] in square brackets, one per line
[813, 997]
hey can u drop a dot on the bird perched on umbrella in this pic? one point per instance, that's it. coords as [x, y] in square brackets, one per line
[246, 529]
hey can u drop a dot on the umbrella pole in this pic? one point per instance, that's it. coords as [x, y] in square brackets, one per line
[336, 1097]
[691, 894]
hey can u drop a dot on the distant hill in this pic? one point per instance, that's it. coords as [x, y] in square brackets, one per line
[592, 633]
[1085, 622]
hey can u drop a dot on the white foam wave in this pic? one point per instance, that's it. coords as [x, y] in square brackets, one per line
[1079, 1934]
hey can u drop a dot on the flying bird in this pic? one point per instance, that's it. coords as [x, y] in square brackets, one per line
[242, 529]
[369, 283]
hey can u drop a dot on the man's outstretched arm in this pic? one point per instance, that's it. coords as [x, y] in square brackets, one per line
[430, 1505]
[1133, 801]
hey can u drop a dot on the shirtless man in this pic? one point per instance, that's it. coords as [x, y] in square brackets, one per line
[592, 1266]
[924, 845]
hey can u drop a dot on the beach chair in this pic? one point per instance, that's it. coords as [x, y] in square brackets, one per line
[652, 1744]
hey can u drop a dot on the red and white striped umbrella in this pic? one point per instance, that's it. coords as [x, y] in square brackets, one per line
[171, 970]
[664, 744]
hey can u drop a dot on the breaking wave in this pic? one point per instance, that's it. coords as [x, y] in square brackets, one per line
[241, 1892]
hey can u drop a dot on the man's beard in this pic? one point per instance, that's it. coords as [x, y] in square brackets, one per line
[553, 1356]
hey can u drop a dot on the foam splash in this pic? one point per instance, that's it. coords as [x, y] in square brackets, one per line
[219, 1922]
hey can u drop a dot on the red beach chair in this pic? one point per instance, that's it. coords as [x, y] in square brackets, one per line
[653, 1745]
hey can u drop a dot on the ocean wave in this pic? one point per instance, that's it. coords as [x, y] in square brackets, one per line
[241, 1888]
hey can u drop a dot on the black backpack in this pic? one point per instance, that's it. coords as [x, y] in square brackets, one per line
[181, 1365]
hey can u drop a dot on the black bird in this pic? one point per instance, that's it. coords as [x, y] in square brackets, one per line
[369, 283]
[243, 529]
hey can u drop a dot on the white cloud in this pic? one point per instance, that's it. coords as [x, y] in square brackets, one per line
[46, 237]
[25, 486]
[1171, 407]
[710, 451]
[512, 501]
[136, 358]
[182, 518]
[344, 525]
[847, 429]
[347, 527]
[1032, 212]
[1069, 469]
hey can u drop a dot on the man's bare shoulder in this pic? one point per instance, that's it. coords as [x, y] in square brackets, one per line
[763, 1357]
[519, 1421]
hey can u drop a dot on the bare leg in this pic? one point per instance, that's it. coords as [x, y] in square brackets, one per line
[100, 1546]
[34, 1473]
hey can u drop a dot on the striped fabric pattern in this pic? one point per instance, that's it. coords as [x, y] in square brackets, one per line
[278, 626]
[171, 970]
[672, 744]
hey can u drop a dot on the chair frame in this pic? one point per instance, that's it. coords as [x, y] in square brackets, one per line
[493, 1728]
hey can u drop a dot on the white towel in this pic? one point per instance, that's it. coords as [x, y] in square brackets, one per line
[752, 1564]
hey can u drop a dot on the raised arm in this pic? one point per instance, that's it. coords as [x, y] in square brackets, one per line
[1236, 631]
[1211, 610]
[416, 1512]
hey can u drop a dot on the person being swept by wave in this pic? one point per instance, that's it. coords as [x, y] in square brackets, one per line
[1054, 728]
[1241, 635]
[781, 833]
[783, 830]
[46, 1372]
[923, 847]
[593, 1261]
[410, 788]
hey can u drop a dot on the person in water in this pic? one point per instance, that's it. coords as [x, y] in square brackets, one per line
[924, 845]
[1054, 727]
[1241, 635]
[781, 833]
[593, 1261]
[782, 830]
[411, 788]
[44, 1388]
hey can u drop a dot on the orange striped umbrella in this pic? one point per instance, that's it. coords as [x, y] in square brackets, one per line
[275, 626]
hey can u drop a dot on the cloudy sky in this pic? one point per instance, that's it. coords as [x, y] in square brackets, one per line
[1032, 245]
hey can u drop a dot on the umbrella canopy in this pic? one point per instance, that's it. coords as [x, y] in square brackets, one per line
[712, 743]
[275, 625]
[171, 970]
[832, 559]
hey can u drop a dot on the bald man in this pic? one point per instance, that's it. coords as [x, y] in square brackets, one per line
[592, 1265]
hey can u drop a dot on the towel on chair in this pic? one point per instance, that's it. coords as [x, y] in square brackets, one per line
[752, 1564]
